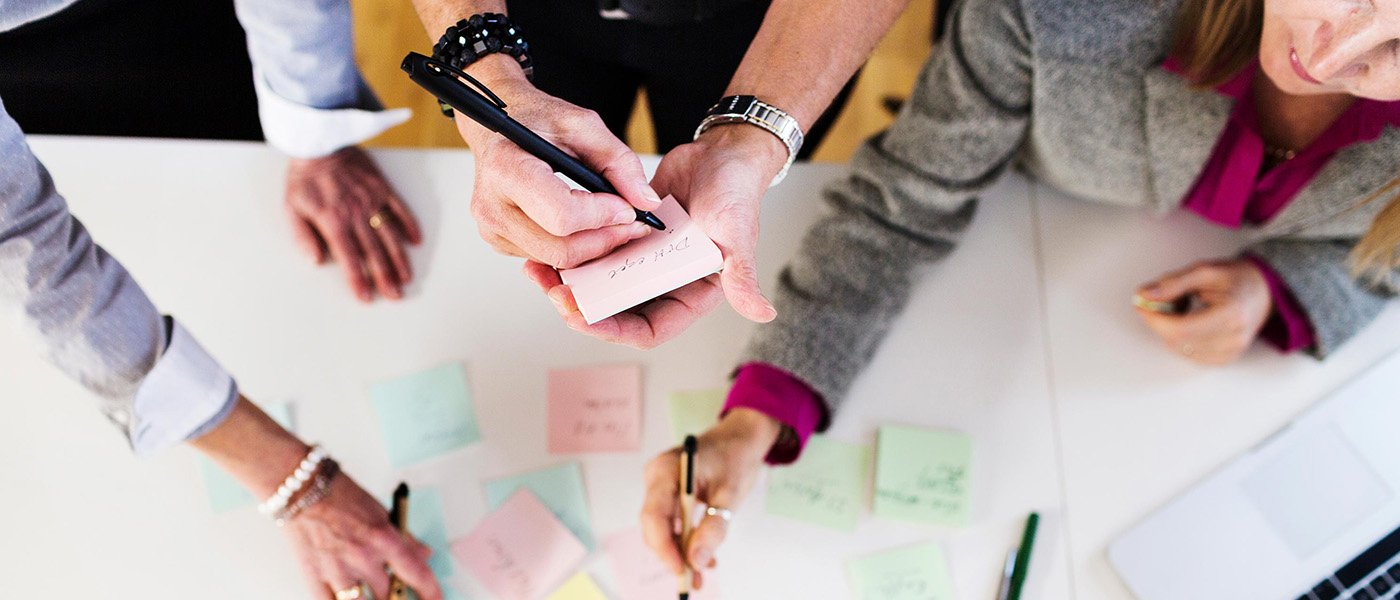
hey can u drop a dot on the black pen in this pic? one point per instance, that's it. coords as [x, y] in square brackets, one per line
[687, 482]
[445, 82]
[398, 516]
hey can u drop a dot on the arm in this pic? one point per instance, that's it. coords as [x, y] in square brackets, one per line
[316, 107]
[910, 195]
[153, 380]
[1317, 273]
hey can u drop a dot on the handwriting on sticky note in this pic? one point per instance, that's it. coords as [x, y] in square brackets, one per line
[694, 412]
[559, 488]
[644, 268]
[640, 575]
[825, 486]
[520, 551]
[578, 587]
[923, 475]
[595, 409]
[225, 493]
[916, 572]
[425, 414]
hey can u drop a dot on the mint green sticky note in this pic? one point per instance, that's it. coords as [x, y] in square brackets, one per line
[559, 488]
[923, 475]
[225, 493]
[425, 522]
[425, 414]
[825, 486]
[916, 572]
[694, 412]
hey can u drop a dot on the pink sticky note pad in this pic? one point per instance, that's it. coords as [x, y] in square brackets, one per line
[595, 409]
[644, 268]
[520, 551]
[640, 575]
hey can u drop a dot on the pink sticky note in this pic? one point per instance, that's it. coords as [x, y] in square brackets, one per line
[640, 575]
[595, 409]
[521, 551]
[644, 268]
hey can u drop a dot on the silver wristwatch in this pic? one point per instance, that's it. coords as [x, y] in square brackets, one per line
[749, 109]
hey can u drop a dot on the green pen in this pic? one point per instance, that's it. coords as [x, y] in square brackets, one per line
[1023, 558]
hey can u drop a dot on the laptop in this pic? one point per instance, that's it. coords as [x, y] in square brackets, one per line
[1311, 513]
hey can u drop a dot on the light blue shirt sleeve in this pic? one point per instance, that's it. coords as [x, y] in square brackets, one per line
[90, 318]
[312, 99]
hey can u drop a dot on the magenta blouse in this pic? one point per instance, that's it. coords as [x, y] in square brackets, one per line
[1231, 192]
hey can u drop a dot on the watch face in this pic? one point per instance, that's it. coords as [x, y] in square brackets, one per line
[735, 104]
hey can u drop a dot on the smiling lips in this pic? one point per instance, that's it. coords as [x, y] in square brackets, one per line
[1298, 67]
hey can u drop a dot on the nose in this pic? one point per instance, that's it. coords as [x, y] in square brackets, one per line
[1348, 52]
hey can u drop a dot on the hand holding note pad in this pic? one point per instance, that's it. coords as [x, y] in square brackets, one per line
[645, 268]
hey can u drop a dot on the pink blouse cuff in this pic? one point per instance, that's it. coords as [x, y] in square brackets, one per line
[782, 396]
[1289, 329]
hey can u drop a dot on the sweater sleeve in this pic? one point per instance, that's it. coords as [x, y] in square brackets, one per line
[911, 193]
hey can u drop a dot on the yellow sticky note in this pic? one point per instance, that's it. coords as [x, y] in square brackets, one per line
[578, 587]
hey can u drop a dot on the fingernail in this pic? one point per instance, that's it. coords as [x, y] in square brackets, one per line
[638, 230]
[651, 195]
[700, 557]
[558, 302]
[625, 217]
[364, 296]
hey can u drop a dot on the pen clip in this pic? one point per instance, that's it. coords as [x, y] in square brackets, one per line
[480, 88]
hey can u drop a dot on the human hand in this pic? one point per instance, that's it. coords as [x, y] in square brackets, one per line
[332, 201]
[523, 209]
[1235, 304]
[727, 461]
[346, 540]
[720, 179]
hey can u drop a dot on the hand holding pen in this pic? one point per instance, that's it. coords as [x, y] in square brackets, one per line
[521, 207]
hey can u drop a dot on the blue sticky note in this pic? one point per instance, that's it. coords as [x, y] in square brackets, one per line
[225, 493]
[425, 414]
[559, 488]
[425, 522]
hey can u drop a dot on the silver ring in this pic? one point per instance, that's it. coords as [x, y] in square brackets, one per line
[724, 514]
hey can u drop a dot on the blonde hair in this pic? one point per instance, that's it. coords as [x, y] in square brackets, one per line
[1213, 40]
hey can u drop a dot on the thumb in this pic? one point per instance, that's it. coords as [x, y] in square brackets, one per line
[707, 536]
[1175, 285]
[740, 283]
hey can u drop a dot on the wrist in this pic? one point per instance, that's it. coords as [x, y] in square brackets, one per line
[253, 448]
[751, 143]
[755, 431]
[498, 70]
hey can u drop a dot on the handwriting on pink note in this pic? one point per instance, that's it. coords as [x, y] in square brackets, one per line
[595, 409]
[644, 268]
[640, 575]
[520, 551]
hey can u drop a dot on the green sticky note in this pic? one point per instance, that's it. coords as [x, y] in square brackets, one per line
[425, 522]
[826, 486]
[225, 493]
[912, 573]
[694, 412]
[559, 488]
[923, 475]
[425, 414]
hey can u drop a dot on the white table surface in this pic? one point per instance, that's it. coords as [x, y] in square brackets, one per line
[1070, 402]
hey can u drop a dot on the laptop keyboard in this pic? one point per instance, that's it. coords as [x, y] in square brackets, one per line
[1372, 575]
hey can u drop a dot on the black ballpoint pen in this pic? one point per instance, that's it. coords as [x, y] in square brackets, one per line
[445, 82]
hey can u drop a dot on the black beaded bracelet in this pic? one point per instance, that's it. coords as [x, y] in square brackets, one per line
[482, 34]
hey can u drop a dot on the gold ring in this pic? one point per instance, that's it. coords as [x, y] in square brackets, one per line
[351, 593]
[378, 219]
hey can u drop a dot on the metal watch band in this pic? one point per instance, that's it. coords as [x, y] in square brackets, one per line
[482, 34]
[749, 109]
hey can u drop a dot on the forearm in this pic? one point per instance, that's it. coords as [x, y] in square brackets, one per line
[253, 448]
[806, 51]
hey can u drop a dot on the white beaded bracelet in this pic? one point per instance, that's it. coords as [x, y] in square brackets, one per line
[294, 482]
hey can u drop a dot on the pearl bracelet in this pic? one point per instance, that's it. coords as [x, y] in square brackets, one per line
[294, 482]
[320, 488]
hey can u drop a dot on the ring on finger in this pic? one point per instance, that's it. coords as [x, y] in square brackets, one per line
[378, 219]
[724, 514]
[355, 592]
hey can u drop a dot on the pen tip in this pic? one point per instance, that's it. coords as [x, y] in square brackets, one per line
[401, 490]
[685, 595]
[651, 220]
[691, 443]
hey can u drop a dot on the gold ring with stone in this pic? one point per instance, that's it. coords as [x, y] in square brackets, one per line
[351, 593]
[378, 219]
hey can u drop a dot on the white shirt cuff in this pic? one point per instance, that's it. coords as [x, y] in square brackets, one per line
[305, 132]
[180, 396]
